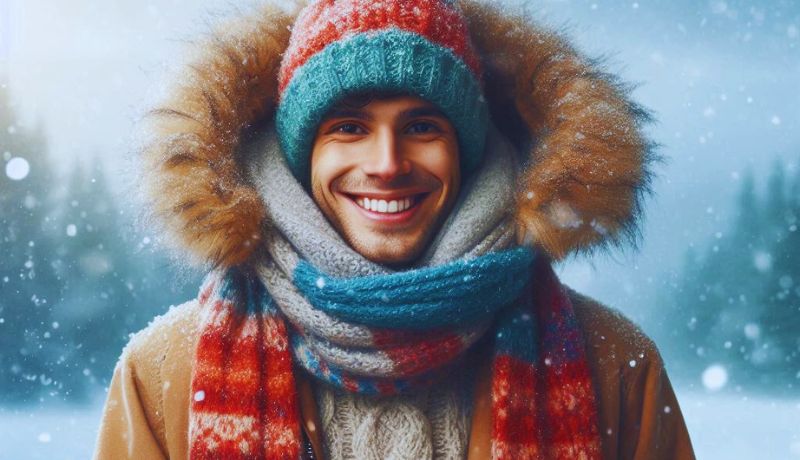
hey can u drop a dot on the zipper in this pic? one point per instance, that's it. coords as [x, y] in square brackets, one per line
[308, 449]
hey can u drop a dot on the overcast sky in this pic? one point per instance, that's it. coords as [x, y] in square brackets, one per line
[721, 77]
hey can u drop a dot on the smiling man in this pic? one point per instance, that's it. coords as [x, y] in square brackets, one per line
[386, 174]
[380, 195]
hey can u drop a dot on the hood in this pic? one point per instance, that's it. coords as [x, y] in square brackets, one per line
[586, 161]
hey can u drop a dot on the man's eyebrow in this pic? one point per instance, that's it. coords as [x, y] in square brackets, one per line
[422, 112]
[345, 112]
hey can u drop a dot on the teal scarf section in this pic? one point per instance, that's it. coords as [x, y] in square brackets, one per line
[451, 295]
[420, 321]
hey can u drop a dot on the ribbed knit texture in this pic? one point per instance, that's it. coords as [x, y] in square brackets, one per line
[415, 47]
[430, 423]
[245, 403]
[420, 321]
[326, 21]
[461, 292]
[244, 399]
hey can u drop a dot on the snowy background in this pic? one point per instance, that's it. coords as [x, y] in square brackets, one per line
[716, 281]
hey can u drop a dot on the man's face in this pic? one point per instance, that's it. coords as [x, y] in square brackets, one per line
[386, 175]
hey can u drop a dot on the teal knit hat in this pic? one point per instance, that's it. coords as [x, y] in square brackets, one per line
[342, 47]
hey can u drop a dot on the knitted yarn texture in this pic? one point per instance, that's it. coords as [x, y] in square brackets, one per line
[419, 321]
[244, 397]
[245, 402]
[431, 423]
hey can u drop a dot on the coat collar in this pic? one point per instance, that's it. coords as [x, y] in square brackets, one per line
[587, 163]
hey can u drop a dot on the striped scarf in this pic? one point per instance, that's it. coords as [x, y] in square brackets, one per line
[386, 334]
[315, 305]
[245, 404]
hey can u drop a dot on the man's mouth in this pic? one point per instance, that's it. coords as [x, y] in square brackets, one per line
[386, 206]
[398, 206]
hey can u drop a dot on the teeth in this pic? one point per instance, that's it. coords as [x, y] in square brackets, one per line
[383, 206]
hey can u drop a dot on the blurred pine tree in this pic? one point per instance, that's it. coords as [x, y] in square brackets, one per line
[76, 279]
[740, 300]
[28, 282]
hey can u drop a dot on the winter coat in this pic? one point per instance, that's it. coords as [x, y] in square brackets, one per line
[147, 411]
[586, 169]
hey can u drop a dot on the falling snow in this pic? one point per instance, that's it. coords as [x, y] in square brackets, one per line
[17, 168]
[717, 129]
[715, 377]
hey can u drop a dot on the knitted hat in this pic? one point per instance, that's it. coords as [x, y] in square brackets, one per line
[342, 47]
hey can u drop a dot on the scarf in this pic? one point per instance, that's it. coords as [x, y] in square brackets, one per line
[316, 304]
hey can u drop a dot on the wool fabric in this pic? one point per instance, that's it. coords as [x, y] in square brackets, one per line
[244, 398]
[245, 403]
[342, 47]
[413, 338]
[431, 423]
[325, 289]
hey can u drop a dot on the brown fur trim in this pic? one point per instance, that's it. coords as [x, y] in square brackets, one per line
[197, 186]
[587, 159]
[588, 167]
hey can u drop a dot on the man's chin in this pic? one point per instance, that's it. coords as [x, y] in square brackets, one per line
[388, 251]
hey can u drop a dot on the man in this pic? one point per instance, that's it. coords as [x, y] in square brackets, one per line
[381, 240]
[386, 175]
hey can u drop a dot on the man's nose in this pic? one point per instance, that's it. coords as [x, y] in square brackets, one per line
[386, 159]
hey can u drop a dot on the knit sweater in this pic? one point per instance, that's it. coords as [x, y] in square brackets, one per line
[429, 423]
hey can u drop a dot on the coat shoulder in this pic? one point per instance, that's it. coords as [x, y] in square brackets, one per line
[176, 327]
[637, 407]
[611, 337]
[160, 351]
[152, 367]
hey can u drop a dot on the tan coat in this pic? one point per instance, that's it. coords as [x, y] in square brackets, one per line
[147, 411]
[587, 169]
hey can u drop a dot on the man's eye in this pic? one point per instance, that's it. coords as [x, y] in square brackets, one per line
[348, 128]
[422, 127]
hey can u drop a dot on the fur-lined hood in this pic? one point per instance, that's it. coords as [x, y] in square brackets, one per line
[586, 160]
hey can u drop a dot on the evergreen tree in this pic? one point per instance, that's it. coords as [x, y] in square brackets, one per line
[113, 284]
[96, 300]
[777, 202]
[75, 278]
[747, 226]
[28, 283]
[780, 353]
[682, 326]
[733, 271]
[742, 297]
